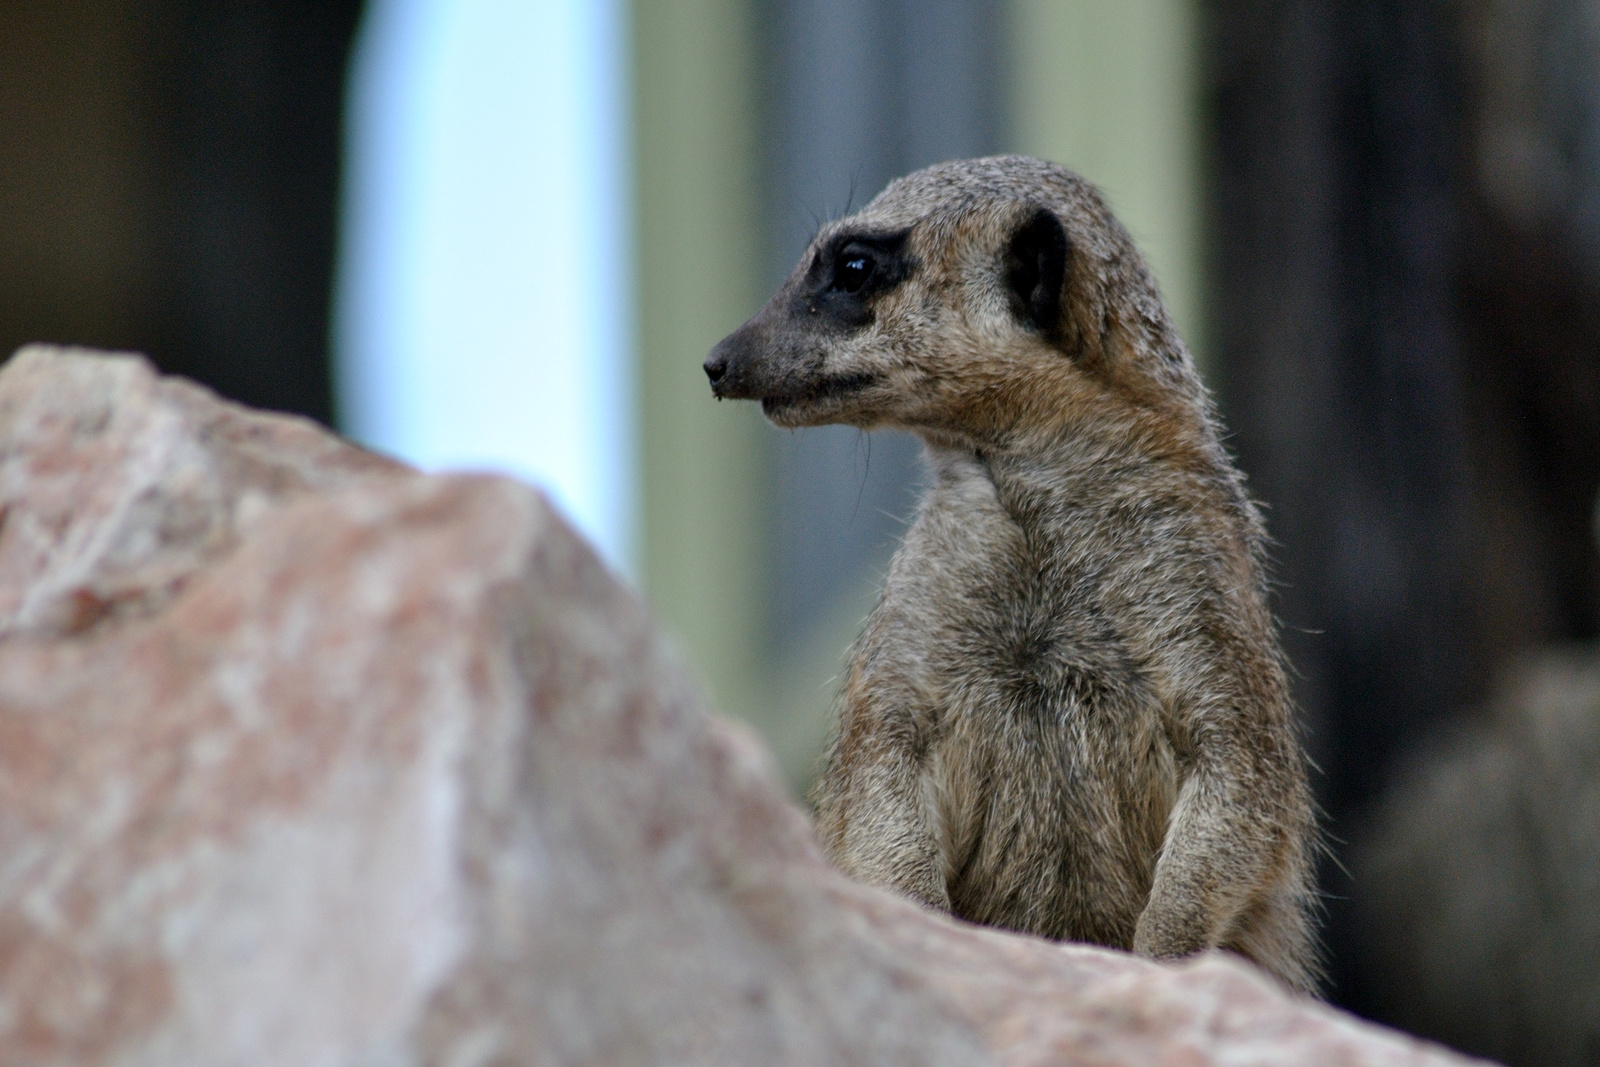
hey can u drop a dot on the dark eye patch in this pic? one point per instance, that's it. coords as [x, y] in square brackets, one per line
[853, 269]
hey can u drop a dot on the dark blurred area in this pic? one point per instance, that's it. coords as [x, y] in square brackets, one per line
[169, 184]
[1406, 287]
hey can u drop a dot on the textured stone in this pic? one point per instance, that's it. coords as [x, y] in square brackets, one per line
[307, 758]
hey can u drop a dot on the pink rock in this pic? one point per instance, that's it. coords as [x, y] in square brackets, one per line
[306, 758]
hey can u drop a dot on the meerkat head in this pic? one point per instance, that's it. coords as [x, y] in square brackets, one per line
[970, 298]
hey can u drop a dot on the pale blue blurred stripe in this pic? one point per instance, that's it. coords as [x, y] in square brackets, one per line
[484, 313]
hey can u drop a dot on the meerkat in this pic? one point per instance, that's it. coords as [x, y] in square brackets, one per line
[1068, 713]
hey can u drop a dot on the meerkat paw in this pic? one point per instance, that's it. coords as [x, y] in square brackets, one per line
[1169, 937]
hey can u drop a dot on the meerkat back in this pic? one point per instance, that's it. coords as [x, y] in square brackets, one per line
[1068, 713]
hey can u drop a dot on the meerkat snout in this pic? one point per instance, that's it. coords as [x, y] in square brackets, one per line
[1068, 713]
[715, 367]
[787, 356]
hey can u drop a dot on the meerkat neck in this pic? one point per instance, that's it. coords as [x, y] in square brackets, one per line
[1042, 479]
[1096, 452]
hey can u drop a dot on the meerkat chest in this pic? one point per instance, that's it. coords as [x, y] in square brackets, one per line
[1011, 661]
[996, 618]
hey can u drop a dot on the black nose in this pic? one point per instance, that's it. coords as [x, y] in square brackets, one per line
[716, 366]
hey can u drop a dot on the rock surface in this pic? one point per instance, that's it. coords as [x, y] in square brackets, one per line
[307, 758]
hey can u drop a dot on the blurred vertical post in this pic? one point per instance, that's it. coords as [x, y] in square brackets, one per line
[1111, 89]
[696, 110]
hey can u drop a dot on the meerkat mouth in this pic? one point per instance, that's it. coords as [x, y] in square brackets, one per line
[827, 388]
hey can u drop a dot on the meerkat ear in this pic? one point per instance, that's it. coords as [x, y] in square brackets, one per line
[1035, 269]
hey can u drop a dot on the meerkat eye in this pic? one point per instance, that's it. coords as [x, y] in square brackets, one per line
[853, 269]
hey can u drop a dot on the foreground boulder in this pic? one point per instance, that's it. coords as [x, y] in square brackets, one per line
[306, 758]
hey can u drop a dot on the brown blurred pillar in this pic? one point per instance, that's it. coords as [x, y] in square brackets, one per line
[1412, 371]
[168, 183]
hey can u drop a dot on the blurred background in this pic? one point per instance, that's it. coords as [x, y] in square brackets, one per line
[503, 235]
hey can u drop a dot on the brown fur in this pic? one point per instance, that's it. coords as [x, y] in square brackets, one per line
[1068, 713]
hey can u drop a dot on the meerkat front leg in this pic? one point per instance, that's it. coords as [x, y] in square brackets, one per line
[871, 807]
[1230, 844]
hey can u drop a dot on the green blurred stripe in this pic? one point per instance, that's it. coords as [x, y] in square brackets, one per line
[701, 471]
